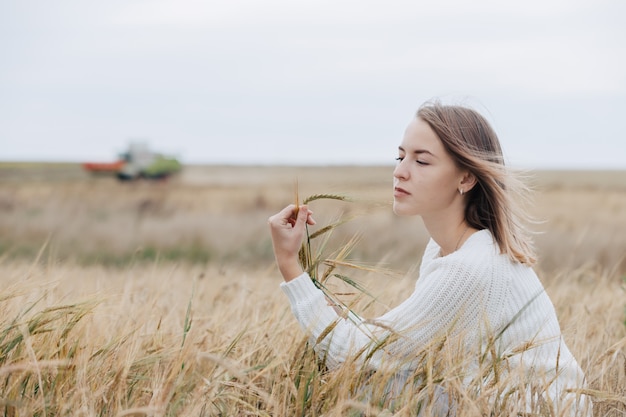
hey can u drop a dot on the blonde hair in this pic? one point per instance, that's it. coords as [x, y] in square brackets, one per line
[491, 203]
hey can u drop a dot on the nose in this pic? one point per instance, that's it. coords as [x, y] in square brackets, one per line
[400, 172]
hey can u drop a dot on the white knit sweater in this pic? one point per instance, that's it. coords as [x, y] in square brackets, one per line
[473, 292]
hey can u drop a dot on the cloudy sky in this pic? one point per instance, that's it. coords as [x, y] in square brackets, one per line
[309, 82]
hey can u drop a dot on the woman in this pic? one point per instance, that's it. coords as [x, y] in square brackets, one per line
[476, 283]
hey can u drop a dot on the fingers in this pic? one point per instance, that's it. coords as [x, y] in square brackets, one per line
[282, 217]
[287, 216]
[305, 216]
[309, 218]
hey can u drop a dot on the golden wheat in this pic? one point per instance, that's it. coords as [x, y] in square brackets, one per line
[167, 340]
[173, 336]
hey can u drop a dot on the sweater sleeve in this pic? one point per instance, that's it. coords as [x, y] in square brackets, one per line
[449, 296]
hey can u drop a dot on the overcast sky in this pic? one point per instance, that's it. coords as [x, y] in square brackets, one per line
[319, 82]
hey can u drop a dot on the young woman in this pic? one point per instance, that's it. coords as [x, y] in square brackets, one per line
[476, 279]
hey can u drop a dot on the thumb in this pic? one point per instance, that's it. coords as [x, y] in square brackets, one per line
[303, 213]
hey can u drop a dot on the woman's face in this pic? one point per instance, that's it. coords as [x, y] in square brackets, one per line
[426, 179]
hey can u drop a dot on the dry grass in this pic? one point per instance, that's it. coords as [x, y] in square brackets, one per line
[163, 340]
[218, 214]
[214, 336]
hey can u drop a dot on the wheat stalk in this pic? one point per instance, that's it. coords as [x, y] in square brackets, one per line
[311, 263]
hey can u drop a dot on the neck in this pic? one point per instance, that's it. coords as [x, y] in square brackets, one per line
[449, 234]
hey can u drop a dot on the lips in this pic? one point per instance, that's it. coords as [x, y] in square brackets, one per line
[399, 192]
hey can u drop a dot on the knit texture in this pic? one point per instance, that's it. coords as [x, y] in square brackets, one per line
[471, 293]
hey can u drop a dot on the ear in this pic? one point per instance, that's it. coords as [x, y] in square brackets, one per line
[468, 181]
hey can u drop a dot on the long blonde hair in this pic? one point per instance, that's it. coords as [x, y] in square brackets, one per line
[491, 204]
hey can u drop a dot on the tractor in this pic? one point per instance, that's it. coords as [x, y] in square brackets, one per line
[137, 162]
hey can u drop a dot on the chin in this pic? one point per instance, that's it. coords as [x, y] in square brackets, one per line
[398, 210]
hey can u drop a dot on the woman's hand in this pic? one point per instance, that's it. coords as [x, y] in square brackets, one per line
[288, 228]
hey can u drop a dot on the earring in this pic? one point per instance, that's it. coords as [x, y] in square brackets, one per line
[461, 191]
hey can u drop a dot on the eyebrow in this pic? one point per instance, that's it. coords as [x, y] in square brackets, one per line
[419, 151]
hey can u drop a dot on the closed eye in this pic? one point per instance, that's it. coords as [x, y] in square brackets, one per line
[401, 158]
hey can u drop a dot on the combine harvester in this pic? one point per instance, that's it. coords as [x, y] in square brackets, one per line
[138, 162]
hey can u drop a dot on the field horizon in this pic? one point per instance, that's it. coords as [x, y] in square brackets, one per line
[218, 213]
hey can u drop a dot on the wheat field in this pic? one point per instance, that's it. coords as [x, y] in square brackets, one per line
[162, 299]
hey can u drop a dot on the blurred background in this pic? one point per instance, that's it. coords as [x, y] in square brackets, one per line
[209, 111]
